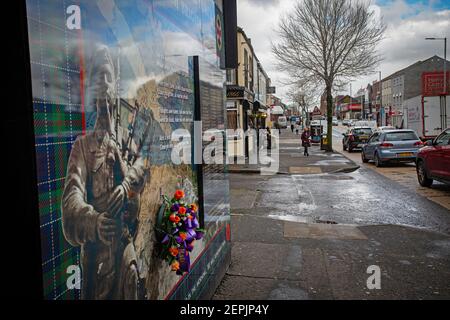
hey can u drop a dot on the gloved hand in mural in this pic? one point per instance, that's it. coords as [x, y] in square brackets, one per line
[101, 198]
[107, 228]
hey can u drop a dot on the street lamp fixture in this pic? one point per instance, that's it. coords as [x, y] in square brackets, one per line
[380, 99]
[445, 61]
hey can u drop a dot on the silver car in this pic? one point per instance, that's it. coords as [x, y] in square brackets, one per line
[385, 128]
[401, 145]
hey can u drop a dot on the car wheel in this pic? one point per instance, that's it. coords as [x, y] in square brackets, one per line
[363, 157]
[378, 162]
[422, 176]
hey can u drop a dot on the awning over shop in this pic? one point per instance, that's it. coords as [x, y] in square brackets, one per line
[277, 110]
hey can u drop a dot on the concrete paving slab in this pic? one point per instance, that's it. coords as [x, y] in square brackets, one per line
[322, 231]
[243, 198]
[305, 170]
[264, 260]
[245, 288]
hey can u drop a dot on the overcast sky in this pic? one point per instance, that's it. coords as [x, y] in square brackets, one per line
[408, 23]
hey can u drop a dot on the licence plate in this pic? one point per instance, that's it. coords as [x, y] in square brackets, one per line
[406, 154]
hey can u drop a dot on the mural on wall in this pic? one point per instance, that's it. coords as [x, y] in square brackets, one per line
[112, 80]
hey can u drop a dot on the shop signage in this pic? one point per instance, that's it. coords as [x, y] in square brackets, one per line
[351, 107]
[433, 83]
[238, 92]
[235, 92]
[220, 47]
[271, 90]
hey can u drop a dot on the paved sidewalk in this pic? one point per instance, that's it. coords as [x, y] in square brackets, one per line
[292, 161]
[279, 255]
[271, 261]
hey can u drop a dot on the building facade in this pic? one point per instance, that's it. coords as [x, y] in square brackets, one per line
[375, 100]
[247, 98]
[406, 84]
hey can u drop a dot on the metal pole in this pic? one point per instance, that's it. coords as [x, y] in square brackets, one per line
[445, 124]
[381, 100]
[351, 101]
[445, 65]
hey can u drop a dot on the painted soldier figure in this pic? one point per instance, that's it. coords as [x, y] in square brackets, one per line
[101, 197]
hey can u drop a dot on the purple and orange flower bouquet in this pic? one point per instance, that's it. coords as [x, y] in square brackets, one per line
[179, 229]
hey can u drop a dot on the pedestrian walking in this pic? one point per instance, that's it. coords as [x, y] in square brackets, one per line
[277, 127]
[297, 127]
[306, 141]
[269, 138]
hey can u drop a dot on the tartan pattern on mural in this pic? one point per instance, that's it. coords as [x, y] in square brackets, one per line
[57, 122]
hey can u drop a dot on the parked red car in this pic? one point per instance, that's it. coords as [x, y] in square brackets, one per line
[433, 160]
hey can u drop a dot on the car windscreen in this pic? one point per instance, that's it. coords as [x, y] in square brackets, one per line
[401, 136]
[362, 131]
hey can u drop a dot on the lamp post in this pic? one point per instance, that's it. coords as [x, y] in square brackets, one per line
[380, 88]
[351, 101]
[444, 87]
[445, 61]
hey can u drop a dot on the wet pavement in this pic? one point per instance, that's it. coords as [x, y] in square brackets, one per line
[313, 235]
[402, 173]
[290, 158]
[362, 197]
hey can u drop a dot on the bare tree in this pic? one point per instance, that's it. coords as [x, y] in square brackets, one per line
[303, 97]
[324, 43]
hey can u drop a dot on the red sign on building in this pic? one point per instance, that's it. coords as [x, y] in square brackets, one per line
[351, 107]
[433, 83]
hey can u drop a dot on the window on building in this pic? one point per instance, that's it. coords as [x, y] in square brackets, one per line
[231, 76]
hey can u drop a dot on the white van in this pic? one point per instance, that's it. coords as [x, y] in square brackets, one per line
[282, 122]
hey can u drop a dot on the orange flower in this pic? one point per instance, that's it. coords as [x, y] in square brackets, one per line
[194, 207]
[174, 218]
[173, 251]
[183, 235]
[175, 266]
[179, 194]
[182, 211]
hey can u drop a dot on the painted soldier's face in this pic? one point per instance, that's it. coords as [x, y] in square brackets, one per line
[105, 89]
[106, 84]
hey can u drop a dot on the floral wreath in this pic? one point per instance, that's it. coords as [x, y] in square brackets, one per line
[178, 228]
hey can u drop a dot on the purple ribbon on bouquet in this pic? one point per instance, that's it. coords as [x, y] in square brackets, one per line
[185, 246]
[184, 260]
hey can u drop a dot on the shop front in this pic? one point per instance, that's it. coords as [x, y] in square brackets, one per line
[116, 86]
[351, 110]
[241, 109]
